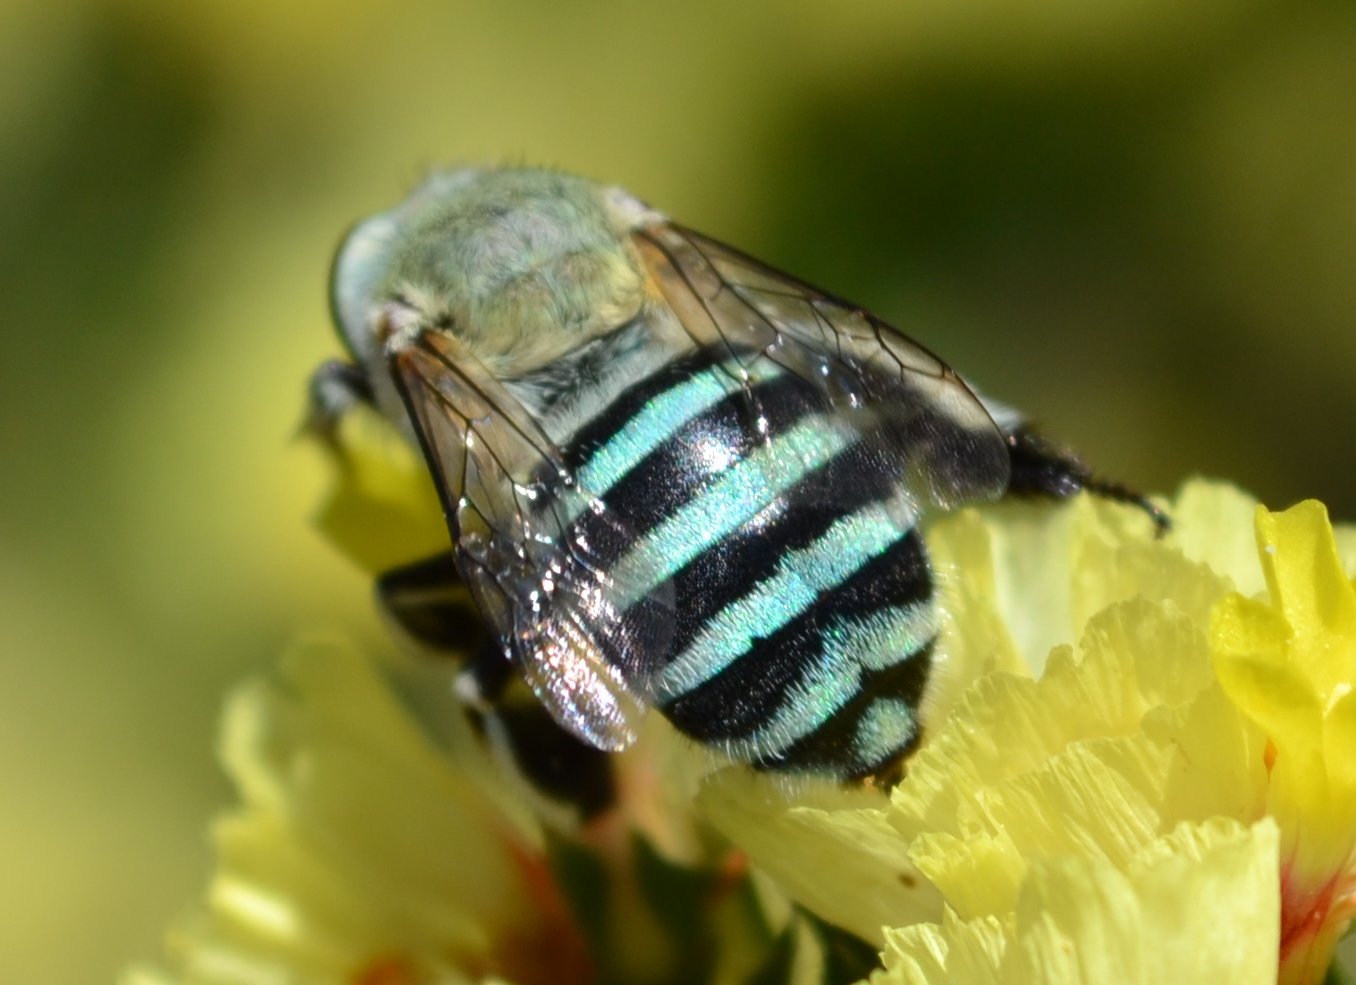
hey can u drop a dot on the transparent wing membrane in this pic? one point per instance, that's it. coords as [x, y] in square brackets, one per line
[946, 448]
[508, 497]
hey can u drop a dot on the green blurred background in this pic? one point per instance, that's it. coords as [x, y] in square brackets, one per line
[1135, 219]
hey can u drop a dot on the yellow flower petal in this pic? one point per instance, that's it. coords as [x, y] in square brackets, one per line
[382, 510]
[1289, 663]
[1309, 587]
[1137, 655]
[1345, 538]
[1212, 523]
[831, 850]
[1099, 798]
[956, 952]
[974, 637]
[1029, 576]
[360, 855]
[1198, 905]
[1250, 646]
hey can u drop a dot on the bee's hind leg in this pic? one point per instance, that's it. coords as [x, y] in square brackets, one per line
[431, 607]
[1041, 468]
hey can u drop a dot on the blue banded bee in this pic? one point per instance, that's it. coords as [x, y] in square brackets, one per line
[673, 477]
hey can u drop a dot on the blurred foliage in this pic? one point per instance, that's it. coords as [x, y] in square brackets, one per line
[1135, 219]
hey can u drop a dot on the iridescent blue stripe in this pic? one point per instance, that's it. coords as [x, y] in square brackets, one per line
[653, 425]
[850, 647]
[888, 726]
[799, 579]
[743, 490]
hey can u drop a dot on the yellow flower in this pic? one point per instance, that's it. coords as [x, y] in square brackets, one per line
[1082, 918]
[359, 857]
[1289, 663]
[1139, 767]
[1173, 799]
[364, 853]
[382, 510]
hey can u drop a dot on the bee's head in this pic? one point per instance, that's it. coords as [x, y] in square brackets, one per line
[522, 265]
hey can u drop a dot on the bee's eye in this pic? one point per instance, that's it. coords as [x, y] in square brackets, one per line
[335, 299]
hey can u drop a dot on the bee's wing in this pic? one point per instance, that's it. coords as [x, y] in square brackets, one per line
[588, 646]
[947, 447]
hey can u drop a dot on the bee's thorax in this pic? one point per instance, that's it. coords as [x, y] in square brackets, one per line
[521, 272]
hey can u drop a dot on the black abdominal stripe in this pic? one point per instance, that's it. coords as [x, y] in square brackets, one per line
[804, 617]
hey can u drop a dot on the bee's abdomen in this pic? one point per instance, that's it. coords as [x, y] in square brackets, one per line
[804, 615]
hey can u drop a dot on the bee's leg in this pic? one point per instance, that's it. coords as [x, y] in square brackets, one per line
[430, 605]
[336, 388]
[1040, 468]
[432, 609]
[560, 767]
